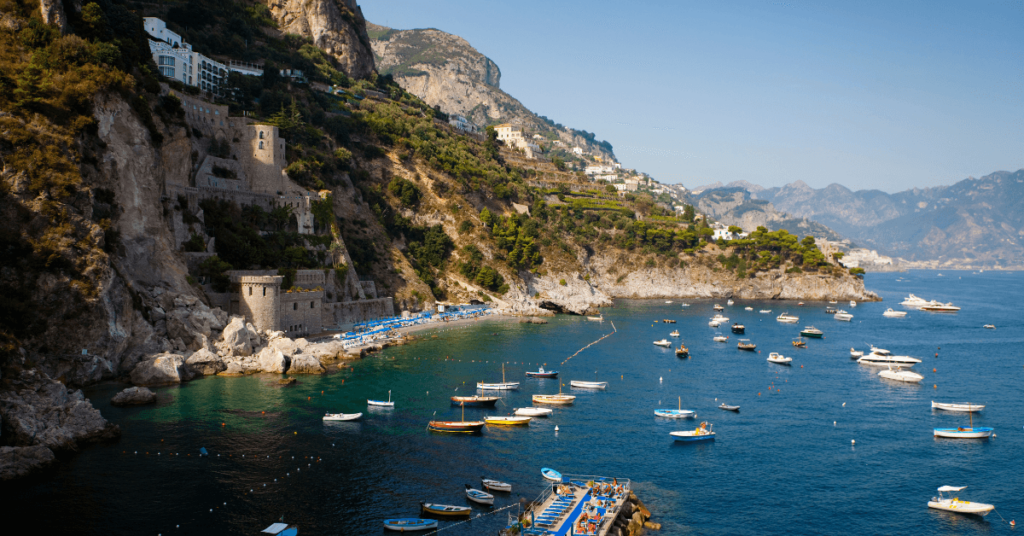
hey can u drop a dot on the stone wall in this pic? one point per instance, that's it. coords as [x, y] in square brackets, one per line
[369, 289]
[206, 178]
[260, 301]
[301, 313]
[335, 314]
[310, 279]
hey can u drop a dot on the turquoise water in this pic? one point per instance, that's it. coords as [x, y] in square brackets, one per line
[778, 466]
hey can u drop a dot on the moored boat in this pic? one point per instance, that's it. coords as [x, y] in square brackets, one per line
[701, 433]
[727, 407]
[853, 303]
[720, 338]
[989, 326]
[799, 343]
[953, 504]
[551, 474]
[718, 307]
[475, 401]
[746, 345]
[496, 485]
[679, 413]
[533, 412]
[409, 524]
[889, 313]
[382, 403]
[787, 318]
[675, 333]
[541, 373]
[599, 318]
[682, 351]
[720, 319]
[812, 332]
[914, 301]
[970, 432]
[748, 308]
[880, 357]
[558, 399]
[965, 407]
[342, 416]
[738, 328]
[663, 343]
[507, 420]
[730, 302]
[765, 311]
[843, 315]
[898, 375]
[444, 510]
[580, 384]
[455, 427]
[779, 359]
[939, 308]
[479, 497]
[503, 386]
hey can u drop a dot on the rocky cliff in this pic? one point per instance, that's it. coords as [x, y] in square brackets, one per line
[736, 206]
[336, 26]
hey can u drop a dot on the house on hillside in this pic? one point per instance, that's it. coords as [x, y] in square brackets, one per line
[513, 137]
[176, 59]
[462, 123]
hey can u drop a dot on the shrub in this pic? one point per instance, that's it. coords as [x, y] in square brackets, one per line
[562, 282]
[466, 226]
[195, 244]
[405, 191]
[857, 271]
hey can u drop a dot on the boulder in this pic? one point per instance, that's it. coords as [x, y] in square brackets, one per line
[205, 362]
[160, 370]
[285, 345]
[254, 336]
[38, 410]
[234, 368]
[16, 462]
[305, 364]
[134, 396]
[272, 360]
[236, 338]
[326, 351]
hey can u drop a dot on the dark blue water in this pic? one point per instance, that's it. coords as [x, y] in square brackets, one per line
[779, 466]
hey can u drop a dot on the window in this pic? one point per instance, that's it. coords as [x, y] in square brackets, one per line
[295, 306]
[264, 291]
[311, 305]
[261, 145]
[250, 291]
[261, 134]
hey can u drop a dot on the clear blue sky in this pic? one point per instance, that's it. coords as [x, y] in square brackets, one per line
[886, 95]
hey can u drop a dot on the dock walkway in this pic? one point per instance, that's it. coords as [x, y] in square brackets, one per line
[555, 514]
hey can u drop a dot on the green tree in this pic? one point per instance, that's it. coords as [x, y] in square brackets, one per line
[735, 229]
[487, 217]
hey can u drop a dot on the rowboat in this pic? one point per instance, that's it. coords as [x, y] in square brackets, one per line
[676, 413]
[475, 401]
[342, 416]
[966, 407]
[499, 420]
[898, 375]
[812, 332]
[965, 433]
[702, 433]
[444, 510]
[541, 373]
[477, 496]
[727, 407]
[663, 342]
[954, 504]
[787, 318]
[409, 524]
[587, 385]
[503, 386]
[779, 359]
[456, 427]
[496, 485]
[381, 403]
[745, 344]
[533, 412]
[551, 474]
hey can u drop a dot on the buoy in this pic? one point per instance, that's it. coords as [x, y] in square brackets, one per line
[296, 433]
[556, 427]
[222, 424]
[933, 370]
[853, 442]
[758, 394]
[844, 404]
[801, 366]
[660, 378]
[935, 386]
[833, 423]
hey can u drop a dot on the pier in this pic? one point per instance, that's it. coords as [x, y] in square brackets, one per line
[584, 504]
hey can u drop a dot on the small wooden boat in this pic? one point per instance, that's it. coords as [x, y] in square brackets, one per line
[746, 345]
[799, 343]
[682, 351]
[475, 401]
[558, 399]
[720, 338]
[533, 412]
[953, 504]
[812, 332]
[496, 485]
[577, 384]
[503, 386]
[727, 407]
[675, 333]
[479, 497]
[663, 343]
[444, 510]
[342, 416]
[541, 373]
[966, 407]
[381, 403]
[702, 433]
[738, 328]
[676, 413]
[551, 474]
[779, 359]
[456, 427]
[409, 524]
[964, 433]
[499, 420]
[669, 321]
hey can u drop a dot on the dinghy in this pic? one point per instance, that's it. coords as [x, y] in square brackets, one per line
[965, 433]
[702, 433]
[966, 407]
[475, 401]
[496, 485]
[381, 403]
[409, 524]
[679, 413]
[541, 373]
[779, 359]
[663, 342]
[503, 386]
[533, 412]
[587, 385]
[456, 427]
[953, 504]
[444, 510]
[551, 474]
[898, 375]
[342, 416]
[727, 407]
[499, 420]
[479, 497]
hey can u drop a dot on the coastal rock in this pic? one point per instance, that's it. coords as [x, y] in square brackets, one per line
[271, 360]
[134, 396]
[285, 345]
[532, 320]
[205, 362]
[236, 338]
[576, 296]
[17, 462]
[336, 26]
[163, 369]
[326, 351]
[305, 364]
[234, 368]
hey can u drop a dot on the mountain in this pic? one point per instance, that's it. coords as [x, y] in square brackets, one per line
[446, 71]
[734, 205]
[973, 223]
[338, 28]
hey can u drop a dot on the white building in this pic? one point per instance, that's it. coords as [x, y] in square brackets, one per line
[176, 59]
[722, 231]
[246, 68]
[512, 136]
[626, 187]
[462, 123]
[599, 169]
[577, 151]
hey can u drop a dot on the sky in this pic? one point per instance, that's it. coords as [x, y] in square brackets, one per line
[871, 95]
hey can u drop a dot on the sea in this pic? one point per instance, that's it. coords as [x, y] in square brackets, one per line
[823, 446]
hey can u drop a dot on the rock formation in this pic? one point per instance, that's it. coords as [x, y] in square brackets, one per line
[336, 26]
[134, 396]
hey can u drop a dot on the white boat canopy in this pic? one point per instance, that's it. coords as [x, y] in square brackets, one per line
[275, 528]
[951, 488]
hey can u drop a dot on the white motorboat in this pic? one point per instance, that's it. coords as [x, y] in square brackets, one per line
[989, 326]
[894, 314]
[720, 319]
[382, 403]
[765, 311]
[854, 354]
[730, 302]
[833, 302]
[686, 305]
[914, 301]
[953, 504]
[853, 303]
[714, 324]
[881, 358]
[939, 308]
[668, 302]
[533, 412]
[787, 318]
[578, 384]
[599, 318]
[496, 485]
[477, 496]
[748, 308]
[898, 375]
[966, 407]
[718, 307]
[663, 342]
[342, 416]
[675, 333]
[779, 359]
[843, 315]
[721, 338]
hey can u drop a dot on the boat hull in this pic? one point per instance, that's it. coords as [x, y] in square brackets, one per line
[343, 416]
[962, 507]
[811, 334]
[692, 437]
[787, 362]
[898, 377]
[455, 427]
[562, 400]
[588, 385]
[507, 386]
[675, 413]
[380, 403]
[551, 474]
[507, 421]
[474, 401]
[480, 497]
[533, 412]
[542, 374]
[409, 525]
[960, 408]
[494, 485]
[967, 433]
[729, 408]
[445, 510]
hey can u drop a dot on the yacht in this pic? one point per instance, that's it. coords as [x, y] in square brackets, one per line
[843, 315]
[914, 301]
[787, 318]
[894, 314]
[883, 358]
[898, 375]
[939, 308]
[720, 319]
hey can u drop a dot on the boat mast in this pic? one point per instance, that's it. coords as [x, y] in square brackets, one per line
[502, 372]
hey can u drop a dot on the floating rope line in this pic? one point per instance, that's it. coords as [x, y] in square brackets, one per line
[478, 516]
[593, 343]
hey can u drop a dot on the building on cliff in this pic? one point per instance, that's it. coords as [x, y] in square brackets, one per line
[513, 137]
[176, 59]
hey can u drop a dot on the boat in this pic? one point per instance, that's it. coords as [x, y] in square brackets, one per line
[939, 308]
[765, 311]
[914, 301]
[899, 375]
[787, 318]
[720, 319]
[599, 318]
[966, 407]
[579, 384]
[409, 524]
[686, 305]
[964, 433]
[880, 358]
[663, 342]
[475, 401]
[721, 338]
[843, 316]
[668, 321]
[748, 308]
[551, 474]
[718, 307]
[831, 311]
[675, 333]
[559, 399]
[668, 301]
[738, 328]
[682, 351]
[676, 413]
[779, 359]
[533, 412]
[503, 386]
[801, 304]
[342, 416]
[855, 354]
[382, 403]
[714, 324]
[479, 497]
[541, 373]
[894, 314]
[496, 485]
[799, 343]
[444, 510]
[745, 344]
[812, 333]
[953, 504]
[853, 303]
[281, 529]
[702, 433]
[727, 407]
[833, 302]
[989, 326]
[456, 427]
[508, 420]
[730, 302]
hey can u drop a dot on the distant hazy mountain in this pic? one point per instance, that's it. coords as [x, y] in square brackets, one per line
[975, 222]
[734, 205]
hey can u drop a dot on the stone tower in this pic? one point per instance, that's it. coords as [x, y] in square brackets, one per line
[259, 300]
